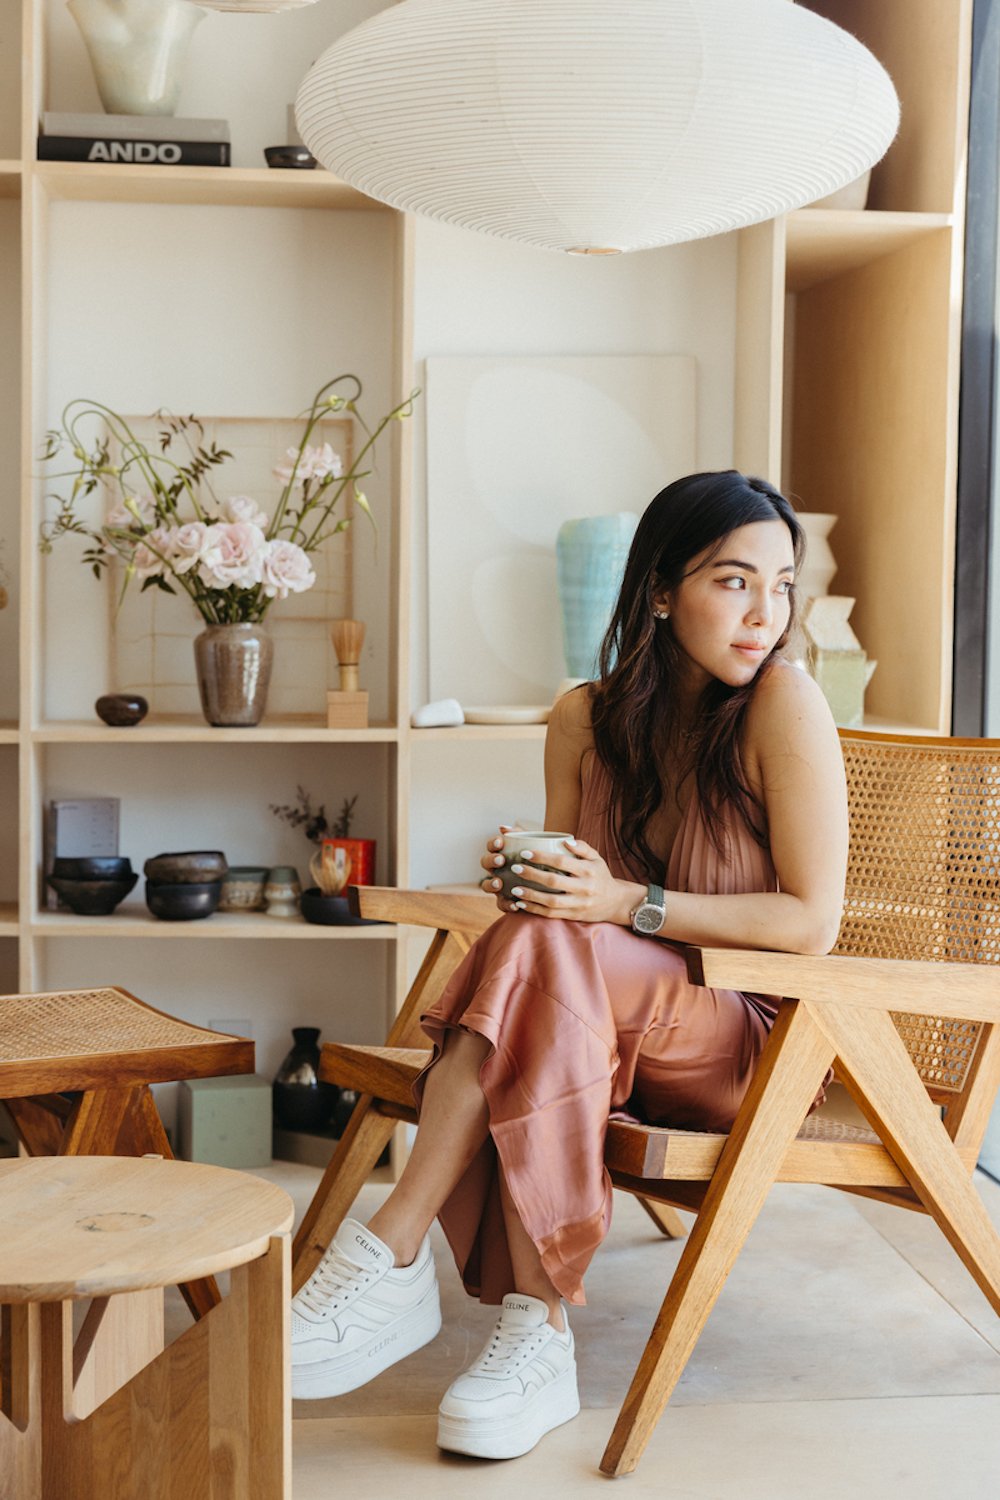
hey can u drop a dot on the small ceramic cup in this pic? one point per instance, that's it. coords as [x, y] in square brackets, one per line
[282, 891]
[538, 842]
[243, 888]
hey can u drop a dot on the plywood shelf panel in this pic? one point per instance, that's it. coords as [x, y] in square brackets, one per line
[10, 179]
[9, 733]
[480, 732]
[183, 730]
[824, 243]
[248, 187]
[8, 919]
[135, 922]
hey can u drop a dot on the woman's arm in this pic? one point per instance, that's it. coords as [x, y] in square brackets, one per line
[567, 739]
[794, 762]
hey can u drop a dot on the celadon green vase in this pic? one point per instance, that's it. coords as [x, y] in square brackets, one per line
[590, 559]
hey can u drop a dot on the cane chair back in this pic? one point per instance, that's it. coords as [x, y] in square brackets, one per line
[923, 877]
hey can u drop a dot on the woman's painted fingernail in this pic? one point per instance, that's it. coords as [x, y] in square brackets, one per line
[497, 885]
[517, 891]
[519, 906]
[571, 842]
[496, 844]
[498, 859]
[517, 869]
[525, 854]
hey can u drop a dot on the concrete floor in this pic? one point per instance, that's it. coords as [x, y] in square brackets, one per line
[850, 1354]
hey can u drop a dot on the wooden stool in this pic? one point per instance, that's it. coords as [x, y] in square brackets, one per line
[207, 1417]
[104, 1048]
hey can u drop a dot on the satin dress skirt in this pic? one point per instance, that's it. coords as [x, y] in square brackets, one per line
[582, 1019]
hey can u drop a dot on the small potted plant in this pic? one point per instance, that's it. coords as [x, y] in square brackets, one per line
[337, 862]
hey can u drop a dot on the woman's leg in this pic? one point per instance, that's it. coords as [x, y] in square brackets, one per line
[454, 1121]
[529, 1274]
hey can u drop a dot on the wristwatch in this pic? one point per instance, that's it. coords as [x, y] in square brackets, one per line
[650, 915]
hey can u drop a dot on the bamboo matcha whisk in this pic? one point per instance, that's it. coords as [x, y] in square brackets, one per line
[348, 708]
[348, 638]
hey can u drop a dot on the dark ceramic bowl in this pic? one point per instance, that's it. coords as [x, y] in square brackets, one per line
[187, 902]
[92, 867]
[92, 898]
[121, 710]
[289, 156]
[330, 911]
[193, 867]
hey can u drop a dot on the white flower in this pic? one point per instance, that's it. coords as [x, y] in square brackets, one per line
[152, 555]
[187, 546]
[245, 508]
[286, 570]
[233, 555]
[133, 510]
[315, 463]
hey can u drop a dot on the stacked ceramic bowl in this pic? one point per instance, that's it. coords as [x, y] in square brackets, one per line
[92, 886]
[185, 887]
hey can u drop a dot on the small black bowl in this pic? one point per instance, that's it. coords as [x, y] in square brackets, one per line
[92, 898]
[289, 156]
[92, 867]
[188, 867]
[331, 911]
[121, 710]
[183, 903]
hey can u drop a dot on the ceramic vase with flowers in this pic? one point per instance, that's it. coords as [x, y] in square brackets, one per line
[232, 558]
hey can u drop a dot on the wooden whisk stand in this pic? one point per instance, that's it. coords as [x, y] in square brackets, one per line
[347, 708]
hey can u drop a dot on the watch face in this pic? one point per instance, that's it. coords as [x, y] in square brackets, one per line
[648, 918]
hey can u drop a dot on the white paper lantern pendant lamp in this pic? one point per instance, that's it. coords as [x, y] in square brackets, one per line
[597, 126]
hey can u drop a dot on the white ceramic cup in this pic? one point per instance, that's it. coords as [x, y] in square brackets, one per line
[538, 842]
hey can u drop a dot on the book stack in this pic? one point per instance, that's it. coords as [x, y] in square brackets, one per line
[149, 140]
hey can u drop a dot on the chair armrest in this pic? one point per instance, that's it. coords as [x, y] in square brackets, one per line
[470, 913]
[966, 991]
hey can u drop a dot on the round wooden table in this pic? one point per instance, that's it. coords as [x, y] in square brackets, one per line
[114, 1413]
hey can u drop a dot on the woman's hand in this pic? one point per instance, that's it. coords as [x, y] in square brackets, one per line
[578, 887]
[494, 861]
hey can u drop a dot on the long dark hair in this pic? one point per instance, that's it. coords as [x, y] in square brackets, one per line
[640, 664]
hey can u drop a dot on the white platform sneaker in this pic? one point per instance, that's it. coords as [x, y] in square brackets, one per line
[359, 1313]
[521, 1386]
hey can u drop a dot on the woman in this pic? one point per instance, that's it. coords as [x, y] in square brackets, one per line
[703, 780]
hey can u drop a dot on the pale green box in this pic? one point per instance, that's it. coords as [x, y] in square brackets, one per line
[225, 1122]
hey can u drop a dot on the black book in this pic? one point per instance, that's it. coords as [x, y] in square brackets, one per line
[143, 153]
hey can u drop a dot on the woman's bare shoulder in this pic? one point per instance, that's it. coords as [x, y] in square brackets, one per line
[788, 713]
[570, 715]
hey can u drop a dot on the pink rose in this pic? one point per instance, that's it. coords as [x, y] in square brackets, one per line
[244, 508]
[286, 570]
[188, 544]
[314, 463]
[233, 555]
[134, 510]
[152, 555]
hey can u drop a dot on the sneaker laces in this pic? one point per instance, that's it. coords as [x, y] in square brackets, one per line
[509, 1349]
[334, 1283]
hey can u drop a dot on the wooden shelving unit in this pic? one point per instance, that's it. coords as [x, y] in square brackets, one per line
[183, 731]
[846, 338]
[136, 922]
[234, 187]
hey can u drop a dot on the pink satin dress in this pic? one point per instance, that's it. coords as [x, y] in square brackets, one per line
[584, 1019]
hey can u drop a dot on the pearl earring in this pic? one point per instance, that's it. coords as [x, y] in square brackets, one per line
[661, 614]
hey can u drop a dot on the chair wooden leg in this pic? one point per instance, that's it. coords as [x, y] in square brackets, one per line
[667, 1220]
[39, 1121]
[885, 1085]
[791, 1068]
[363, 1142]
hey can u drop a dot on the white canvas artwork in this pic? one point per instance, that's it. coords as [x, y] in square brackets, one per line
[515, 447]
[152, 633]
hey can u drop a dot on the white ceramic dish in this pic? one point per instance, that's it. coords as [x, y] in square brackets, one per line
[532, 714]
